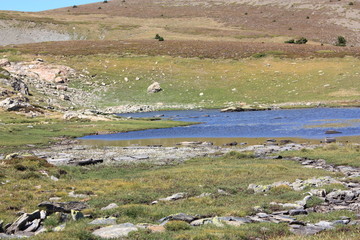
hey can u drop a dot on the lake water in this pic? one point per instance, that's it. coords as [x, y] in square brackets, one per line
[293, 123]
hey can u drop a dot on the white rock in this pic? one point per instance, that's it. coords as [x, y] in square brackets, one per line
[110, 206]
[115, 231]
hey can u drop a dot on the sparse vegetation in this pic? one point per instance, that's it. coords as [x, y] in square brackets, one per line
[299, 41]
[334, 154]
[15, 131]
[158, 37]
[133, 187]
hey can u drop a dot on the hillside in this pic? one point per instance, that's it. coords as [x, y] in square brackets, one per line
[320, 21]
[245, 39]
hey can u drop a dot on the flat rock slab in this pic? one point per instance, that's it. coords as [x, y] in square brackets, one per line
[306, 230]
[115, 231]
[65, 207]
[104, 221]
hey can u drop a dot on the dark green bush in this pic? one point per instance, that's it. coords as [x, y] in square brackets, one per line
[341, 41]
[290, 41]
[301, 41]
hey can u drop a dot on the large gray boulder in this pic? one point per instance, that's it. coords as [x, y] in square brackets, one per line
[154, 88]
[115, 231]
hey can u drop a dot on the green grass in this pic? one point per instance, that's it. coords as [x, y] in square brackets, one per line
[333, 154]
[18, 130]
[264, 80]
[331, 216]
[134, 187]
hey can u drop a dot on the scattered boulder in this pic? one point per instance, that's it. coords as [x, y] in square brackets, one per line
[231, 144]
[305, 230]
[343, 196]
[332, 132]
[115, 231]
[178, 217]
[110, 206]
[65, 207]
[154, 88]
[27, 222]
[295, 212]
[174, 197]
[104, 221]
[189, 143]
[244, 109]
[330, 140]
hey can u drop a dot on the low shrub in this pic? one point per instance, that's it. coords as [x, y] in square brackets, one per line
[177, 226]
[314, 201]
[341, 41]
[302, 40]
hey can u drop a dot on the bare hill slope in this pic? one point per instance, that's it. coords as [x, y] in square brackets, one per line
[318, 20]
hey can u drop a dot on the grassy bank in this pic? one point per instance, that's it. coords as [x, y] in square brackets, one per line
[216, 82]
[18, 131]
[334, 154]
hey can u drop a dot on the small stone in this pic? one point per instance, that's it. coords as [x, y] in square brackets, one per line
[54, 178]
[59, 228]
[262, 215]
[174, 197]
[295, 212]
[54, 199]
[115, 231]
[200, 222]
[110, 206]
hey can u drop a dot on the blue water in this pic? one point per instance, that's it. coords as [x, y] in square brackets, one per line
[269, 124]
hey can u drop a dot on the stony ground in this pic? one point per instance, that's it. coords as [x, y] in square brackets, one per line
[318, 204]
